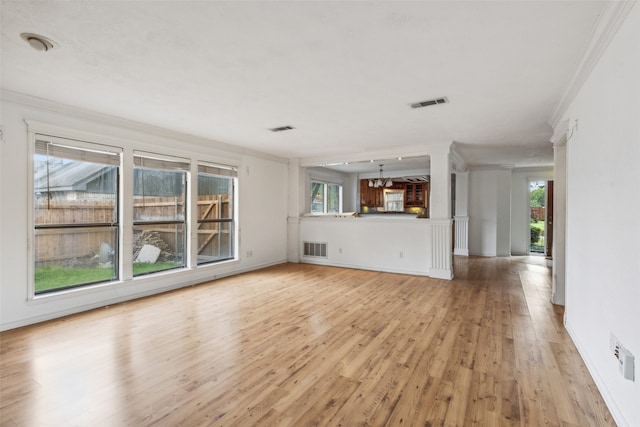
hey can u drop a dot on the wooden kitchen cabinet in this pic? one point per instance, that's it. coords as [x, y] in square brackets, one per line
[416, 194]
[370, 196]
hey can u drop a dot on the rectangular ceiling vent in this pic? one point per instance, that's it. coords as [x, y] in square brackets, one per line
[436, 101]
[315, 249]
[281, 128]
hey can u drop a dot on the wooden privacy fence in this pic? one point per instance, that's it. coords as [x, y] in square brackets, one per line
[74, 211]
[537, 213]
[52, 246]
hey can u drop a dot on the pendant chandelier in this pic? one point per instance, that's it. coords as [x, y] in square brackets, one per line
[380, 182]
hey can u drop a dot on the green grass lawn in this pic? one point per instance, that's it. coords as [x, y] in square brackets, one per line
[53, 277]
[147, 267]
[538, 224]
[539, 245]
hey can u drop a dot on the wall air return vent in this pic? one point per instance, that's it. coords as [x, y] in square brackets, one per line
[315, 249]
[281, 128]
[429, 102]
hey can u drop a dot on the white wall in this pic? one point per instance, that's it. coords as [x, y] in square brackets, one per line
[520, 178]
[489, 211]
[603, 229]
[399, 245]
[262, 184]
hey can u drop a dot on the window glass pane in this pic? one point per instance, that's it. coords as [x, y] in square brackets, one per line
[215, 197]
[394, 200]
[74, 192]
[333, 198]
[68, 257]
[159, 195]
[317, 197]
[157, 247]
[215, 215]
[215, 242]
[50, 146]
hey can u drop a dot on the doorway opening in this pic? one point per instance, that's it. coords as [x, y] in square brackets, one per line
[537, 216]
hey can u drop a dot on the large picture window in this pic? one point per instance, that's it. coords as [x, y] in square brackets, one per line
[216, 216]
[80, 193]
[325, 198]
[75, 214]
[159, 213]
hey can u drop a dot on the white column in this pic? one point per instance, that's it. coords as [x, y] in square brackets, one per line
[295, 209]
[559, 141]
[461, 238]
[440, 212]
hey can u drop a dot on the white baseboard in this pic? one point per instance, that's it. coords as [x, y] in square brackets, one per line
[441, 274]
[485, 254]
[609, 400]
[363, 267]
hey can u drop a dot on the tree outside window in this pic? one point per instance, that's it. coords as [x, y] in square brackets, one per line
[325, 198]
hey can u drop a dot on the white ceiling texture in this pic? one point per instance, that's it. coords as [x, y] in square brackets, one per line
[342, 74]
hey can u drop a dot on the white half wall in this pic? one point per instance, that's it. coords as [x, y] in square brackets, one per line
[398, 245]
[603, 229]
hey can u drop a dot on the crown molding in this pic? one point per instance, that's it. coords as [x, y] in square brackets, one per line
[560, 132]
[491, 167]
[196, 141]
[610, 19]
[458, 162]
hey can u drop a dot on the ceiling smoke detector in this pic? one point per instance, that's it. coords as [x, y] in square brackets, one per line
[38, 42]
[429, 102]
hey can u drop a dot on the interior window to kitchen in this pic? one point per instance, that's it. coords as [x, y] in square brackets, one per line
[325, 197]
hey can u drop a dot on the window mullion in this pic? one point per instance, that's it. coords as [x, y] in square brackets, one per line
[326, 198]
[126, 215]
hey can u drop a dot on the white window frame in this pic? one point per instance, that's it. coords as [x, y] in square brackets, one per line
[127, 149]
[77, 140]
[161, 162]
[224, 171]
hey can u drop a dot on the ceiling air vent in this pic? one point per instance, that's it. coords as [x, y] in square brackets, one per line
[281, 128]
[436, 101]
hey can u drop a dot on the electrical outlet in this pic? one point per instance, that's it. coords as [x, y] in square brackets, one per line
[613, 341]
[615, 346]
[626, 360]
[626, 364]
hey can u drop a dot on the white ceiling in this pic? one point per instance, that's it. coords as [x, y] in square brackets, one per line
[343, 74]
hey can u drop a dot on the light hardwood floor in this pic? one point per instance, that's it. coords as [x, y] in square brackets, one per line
[299, 345]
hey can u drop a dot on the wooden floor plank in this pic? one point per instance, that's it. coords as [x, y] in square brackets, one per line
[297, 344]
